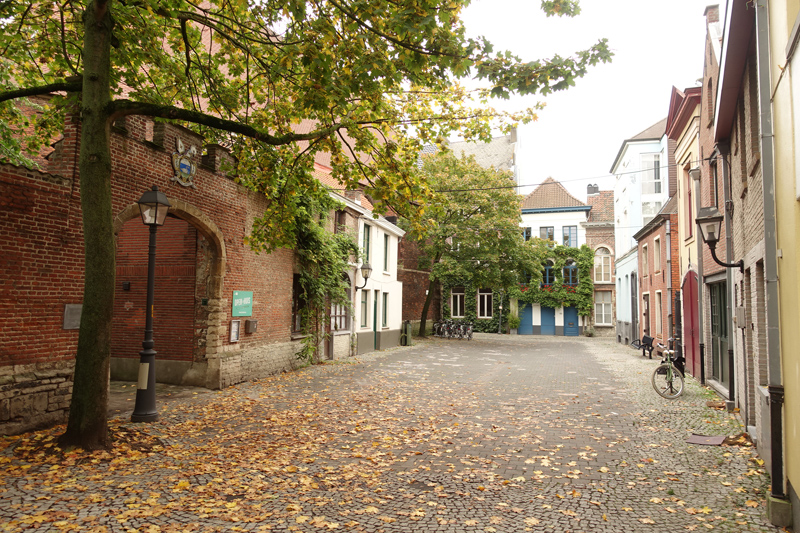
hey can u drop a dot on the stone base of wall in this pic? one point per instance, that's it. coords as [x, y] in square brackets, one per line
[34, 396]
[604, 331]
[625, 333]
[184, 373]
[257, 362]
[388, 338]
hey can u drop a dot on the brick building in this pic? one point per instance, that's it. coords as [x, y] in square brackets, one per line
[659, 275]
[202, 261]
[600, 238]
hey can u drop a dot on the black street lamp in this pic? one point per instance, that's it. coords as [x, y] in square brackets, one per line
[709, 219]
[366, 272]
[153, 206]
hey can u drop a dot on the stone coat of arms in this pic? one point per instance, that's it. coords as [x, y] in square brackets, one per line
[185, 169]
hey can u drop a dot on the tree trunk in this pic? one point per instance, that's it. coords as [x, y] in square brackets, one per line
[87, 426]
[423, 321]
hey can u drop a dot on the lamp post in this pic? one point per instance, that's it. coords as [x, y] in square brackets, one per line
[366, 272]
[153, 206]
[709, 219]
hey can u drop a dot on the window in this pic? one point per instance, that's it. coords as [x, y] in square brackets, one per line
[339, 317]
[650, 210]
[547, 233]
[548, 277]
[385, 314]
[659, 328]
[298, 305]
[340, 313]
[367, 231]
[340, 222]
[651, 173]
[570, 273]
[485, 303]
[526, 234]
[645, 262]
[571, 236]
[457, 302]
[602, 265]
[364, 308]
[657, 254]
[386, 252]
[602, 308]
[689, 211]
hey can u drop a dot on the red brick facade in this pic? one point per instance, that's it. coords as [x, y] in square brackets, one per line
[201, 260]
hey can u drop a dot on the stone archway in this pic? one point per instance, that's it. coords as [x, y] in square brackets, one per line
[203, 369]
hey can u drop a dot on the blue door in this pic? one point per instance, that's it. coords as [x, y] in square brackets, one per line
[570, 322]
[548, 321]
[526, 320]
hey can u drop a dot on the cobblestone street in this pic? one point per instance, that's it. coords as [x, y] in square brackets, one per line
[497, 434]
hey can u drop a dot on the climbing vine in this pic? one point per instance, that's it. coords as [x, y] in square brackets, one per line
[324, 258]
[558, 293]
[484, 325]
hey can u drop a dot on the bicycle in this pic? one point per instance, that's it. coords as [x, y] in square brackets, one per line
[667, 380]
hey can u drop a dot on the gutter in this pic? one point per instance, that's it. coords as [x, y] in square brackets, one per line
[771, 251]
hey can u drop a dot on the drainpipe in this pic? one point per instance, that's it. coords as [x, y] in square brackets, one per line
[726, 187]
[700, 283]
[668, 244]
[771, 250]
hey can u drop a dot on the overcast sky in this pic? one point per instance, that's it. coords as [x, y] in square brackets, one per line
[657, 44]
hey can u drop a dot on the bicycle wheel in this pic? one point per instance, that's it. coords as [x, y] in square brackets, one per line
[667, 381]
[469, 333]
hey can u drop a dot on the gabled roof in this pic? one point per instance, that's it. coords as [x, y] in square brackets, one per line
[549, 195]
[681, 107]
[602, 205]
[653, 133]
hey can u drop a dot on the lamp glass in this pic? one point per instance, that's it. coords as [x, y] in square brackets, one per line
[154, 206]
[710, 221]
[366, 270]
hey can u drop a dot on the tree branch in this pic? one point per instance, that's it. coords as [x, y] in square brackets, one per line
[68, 86]
[121, 108]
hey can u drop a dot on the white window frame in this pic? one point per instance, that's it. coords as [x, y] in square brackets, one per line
[645, 262]
[457, 295]
[602, 265]
[605, 309]
[366, 242]
[485, 301]
[385, 310]
[657, 254]
[386, 252]
[567, 238]
[364, 309]
[652, 177]
[659, 314]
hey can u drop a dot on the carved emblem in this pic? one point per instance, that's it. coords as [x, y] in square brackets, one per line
[185, 169]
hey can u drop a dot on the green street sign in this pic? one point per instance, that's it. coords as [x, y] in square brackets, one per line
[242, 303]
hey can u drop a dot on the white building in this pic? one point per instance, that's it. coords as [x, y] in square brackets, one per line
[550, 212]
[379, 304]
[643, 169]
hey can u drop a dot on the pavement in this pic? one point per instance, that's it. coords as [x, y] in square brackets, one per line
[497, 434]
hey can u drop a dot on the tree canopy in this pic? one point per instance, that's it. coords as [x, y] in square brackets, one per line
[366, 82]
[472, 234]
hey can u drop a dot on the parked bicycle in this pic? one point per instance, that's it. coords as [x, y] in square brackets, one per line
[667, 379]
[452, 329]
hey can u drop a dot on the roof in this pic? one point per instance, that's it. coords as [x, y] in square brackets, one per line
[324, 176]
[550, 194]
[653, 133]
[602, 205]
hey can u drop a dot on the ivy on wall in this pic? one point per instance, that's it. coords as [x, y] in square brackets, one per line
[484, 325]
[559, 294]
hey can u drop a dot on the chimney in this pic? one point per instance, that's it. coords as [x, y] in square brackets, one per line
[712, 14]
[354, 195]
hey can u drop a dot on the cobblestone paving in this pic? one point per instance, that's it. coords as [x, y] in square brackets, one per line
[500, 434]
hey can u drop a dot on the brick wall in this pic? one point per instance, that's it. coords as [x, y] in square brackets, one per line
[597, 236]
[41, 257]
[413, 271]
